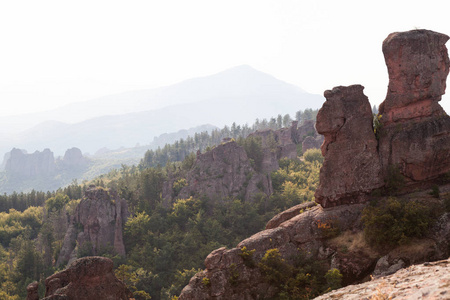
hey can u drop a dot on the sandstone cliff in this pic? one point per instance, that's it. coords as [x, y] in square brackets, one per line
[88, 278]
[96, 226]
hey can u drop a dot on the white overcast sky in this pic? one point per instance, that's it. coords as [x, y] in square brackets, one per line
[57, 52]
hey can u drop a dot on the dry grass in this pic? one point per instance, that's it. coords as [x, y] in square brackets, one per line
[417, 250]
[382, 292]
[353, 242]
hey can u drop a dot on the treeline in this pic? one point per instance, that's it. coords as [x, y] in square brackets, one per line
[21, 201]
[204, 140]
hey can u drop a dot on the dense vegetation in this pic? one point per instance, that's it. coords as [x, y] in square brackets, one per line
[166, 244]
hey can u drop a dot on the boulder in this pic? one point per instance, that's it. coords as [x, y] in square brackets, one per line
[88, 278]
[32, 291]
[351, 168]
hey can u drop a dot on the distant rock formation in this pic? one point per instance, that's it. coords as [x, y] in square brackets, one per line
[430, 280]
[223, 172]
[88, 278]
[226, 170]
[413, 135]
[95, 226]
[74, 158]
[351, 167]
[29, 165]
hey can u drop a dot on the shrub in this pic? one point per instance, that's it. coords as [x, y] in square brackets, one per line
[313, 155]
[435, 191]
[393, 222]
[206, 282]
[334, 279]
[247, 256]
[395, 180]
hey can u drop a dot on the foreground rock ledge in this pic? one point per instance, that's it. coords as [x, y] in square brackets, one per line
[426, 281]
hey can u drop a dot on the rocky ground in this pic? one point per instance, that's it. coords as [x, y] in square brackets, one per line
[426, 281]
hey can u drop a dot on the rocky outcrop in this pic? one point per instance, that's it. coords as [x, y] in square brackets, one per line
[413, 137]
[88, 278]
[299, 234]
[412, 144]
[96, 225]
[32, 291]
[351, 167]
[26, 165]
[415, 133]
[426, 281]
[224, 172]
[284, 142]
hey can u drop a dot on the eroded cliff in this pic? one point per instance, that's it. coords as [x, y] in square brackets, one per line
[96, 226]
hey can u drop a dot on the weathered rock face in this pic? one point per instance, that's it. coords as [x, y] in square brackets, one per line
[426, 281]
[28, 165]
[223, 172]
[297, 233]
[351, 166]
[96, 225]
[415, 133]
[88, 278]
[418, 66]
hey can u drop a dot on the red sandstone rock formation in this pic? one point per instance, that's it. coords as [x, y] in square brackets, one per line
[97, 223]
[415, 133]
[414, 137]
[418, 66]
[88, 278]
[351, 167]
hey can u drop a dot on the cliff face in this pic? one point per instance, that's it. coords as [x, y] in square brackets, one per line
[95, 226]
[88, 278]
[223, 172]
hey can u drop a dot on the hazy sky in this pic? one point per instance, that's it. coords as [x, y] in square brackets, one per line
[56, 52]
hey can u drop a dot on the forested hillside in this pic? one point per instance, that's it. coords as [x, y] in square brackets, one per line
[166, 243]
